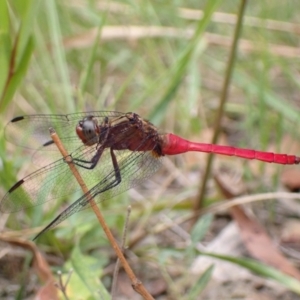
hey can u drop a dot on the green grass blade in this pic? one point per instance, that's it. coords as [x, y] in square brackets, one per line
[28, 10]
[84, 282]
[14, 62]
[18, 75]
[200, 228]
[59, 54]
[87, 74]
[201, 283]
[178, 73]
[261, 270]
[5, 43]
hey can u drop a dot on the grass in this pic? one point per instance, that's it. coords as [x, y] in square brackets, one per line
[159, 60]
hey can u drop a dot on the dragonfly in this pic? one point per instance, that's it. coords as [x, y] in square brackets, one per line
[113, 152]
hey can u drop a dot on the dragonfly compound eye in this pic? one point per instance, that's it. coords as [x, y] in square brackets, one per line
[87, 130]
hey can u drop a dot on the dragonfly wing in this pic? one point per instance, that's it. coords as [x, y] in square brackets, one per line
[32, 131]
[37, 188]
[48, 153]
[53, 182]
[135, 167]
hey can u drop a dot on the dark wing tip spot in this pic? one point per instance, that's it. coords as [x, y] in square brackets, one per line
[16, 185]
[17, 119]
[48, 143]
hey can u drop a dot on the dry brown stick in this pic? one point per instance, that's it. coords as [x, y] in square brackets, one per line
[136, 284]
[117, 267]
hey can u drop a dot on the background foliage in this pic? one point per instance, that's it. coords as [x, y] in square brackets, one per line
[161, 60]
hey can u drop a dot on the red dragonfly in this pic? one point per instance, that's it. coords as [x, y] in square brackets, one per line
[113, 151]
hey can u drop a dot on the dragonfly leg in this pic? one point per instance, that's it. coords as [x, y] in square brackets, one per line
[84, 200]
[112, 183]
[107, 182]
[116, 167]
[89, 164]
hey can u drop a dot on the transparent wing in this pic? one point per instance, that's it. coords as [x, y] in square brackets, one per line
[33, 131]
[135, 168]
[52, 182]
[56, 182]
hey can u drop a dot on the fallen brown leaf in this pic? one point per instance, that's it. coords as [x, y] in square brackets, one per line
[48, 291]
[290, 178]
[256, 239]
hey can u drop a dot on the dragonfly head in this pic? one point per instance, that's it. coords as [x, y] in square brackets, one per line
[88, 130]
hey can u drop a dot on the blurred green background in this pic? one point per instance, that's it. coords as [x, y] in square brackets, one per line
[163, 61]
